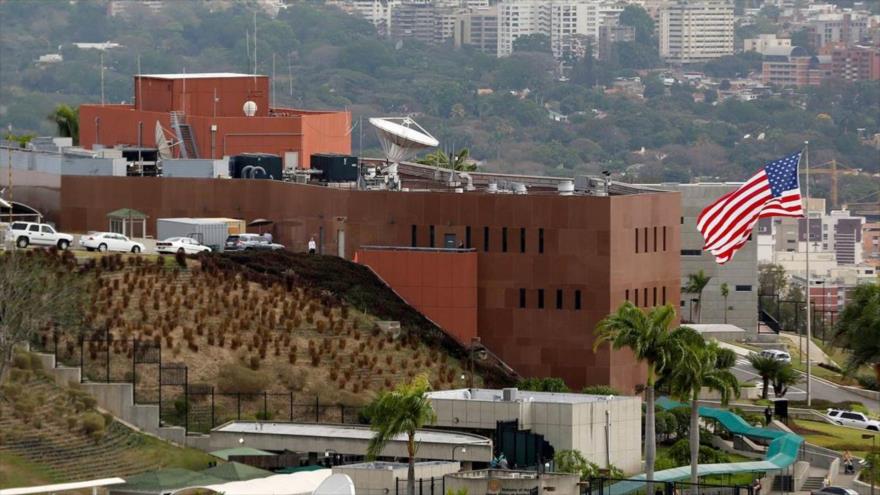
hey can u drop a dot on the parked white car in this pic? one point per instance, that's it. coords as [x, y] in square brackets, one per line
[777, 355]
[187, 245]
[853, 418]
[109, 241]
[38, 234]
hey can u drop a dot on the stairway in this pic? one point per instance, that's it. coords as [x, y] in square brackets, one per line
[185, 136]
[812, 483]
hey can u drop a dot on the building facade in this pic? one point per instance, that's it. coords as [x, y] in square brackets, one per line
[695, 32]
[871, 243]
[765, 41]
[204, 116]
[609, 35]
[792, 66]
[548, 269]
[857, 63]
[478, 28]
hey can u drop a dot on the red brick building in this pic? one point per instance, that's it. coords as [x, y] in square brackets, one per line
[211, 107]
[857, 63]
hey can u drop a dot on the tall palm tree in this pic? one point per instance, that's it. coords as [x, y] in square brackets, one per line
[767, 368]
[859, 328]
[648, 336]
[401, 411]
[700, 365]
[696, 282]
[67, 120]
[725, 291]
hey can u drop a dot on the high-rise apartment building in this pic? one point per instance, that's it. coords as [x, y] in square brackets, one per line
[478, 28]
[693, 32]
[840, 28]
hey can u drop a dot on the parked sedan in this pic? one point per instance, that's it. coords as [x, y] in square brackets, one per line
[109, 241]
[247, 242]
[835, 490]
[186, 245]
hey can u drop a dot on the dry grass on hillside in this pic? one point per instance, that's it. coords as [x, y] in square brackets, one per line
[239, 336]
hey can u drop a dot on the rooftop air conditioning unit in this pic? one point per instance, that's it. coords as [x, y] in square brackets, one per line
[509, 394]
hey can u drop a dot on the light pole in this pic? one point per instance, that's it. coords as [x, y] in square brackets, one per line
[873, 458]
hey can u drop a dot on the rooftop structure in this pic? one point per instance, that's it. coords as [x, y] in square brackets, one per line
[212, 115]
[605, 429]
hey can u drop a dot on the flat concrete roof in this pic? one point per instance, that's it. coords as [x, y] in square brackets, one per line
[495, 395]
[710, 328]
[391, 465]
[346, 432]
[199, 75]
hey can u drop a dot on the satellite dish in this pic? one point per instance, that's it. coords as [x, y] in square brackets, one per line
[249, 108]
[337, 484]
[402, 138]
[162, 143]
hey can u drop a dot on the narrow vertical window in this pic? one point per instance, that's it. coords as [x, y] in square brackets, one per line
[637, 297]
[431, 236]
[664, 295]
[486, 239]
[577, 299]
[627, 294]
[540, 298]
[646, 240]
[655, 239]
[664, 238]
[558, 298]
[522, 298]
[414, 234]
[655, 297]
[645, 299]
[637, 240]
[522, 239]
[467, 237]
[541, 241]
[503, 239]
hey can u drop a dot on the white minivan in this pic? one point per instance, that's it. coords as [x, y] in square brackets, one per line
[777, 355]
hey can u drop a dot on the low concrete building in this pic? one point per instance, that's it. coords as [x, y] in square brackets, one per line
[495, 481]
[605, 429]
[381, 478]
[345, 440]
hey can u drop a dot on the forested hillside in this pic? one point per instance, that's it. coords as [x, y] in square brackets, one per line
[324, 58]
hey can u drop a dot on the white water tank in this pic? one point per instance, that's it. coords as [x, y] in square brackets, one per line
[249, 108]
[519, 188]
[565, 188]
[492, 188]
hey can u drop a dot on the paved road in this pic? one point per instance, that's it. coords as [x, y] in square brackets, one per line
[821, 389]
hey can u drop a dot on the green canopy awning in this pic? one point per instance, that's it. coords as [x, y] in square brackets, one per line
[225, 454]
[236, 471]
[167, 479]
[128, 213]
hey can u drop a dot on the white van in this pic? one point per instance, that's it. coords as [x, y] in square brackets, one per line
[777, 355]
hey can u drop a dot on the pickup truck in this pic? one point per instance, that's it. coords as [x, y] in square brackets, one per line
[38, 234]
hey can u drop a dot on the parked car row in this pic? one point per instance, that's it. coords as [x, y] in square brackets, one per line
[25, 234]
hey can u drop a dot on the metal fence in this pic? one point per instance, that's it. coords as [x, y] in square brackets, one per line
[615, 486]
[424, 486]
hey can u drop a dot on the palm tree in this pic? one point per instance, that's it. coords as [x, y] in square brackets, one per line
[648, 336]
[695, 284]
[725, 291]
[859, 328]
[785, 377]
[401, 411]
[702, 364]
[767, 368]
[457, 161]
[67, 120]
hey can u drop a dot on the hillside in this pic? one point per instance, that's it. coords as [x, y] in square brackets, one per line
[270, 333]
[54, 434]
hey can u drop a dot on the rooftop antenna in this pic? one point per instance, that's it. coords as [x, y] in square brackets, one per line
[290, 72]
[247, 47]
[255, 46]
[272, 103]
[140, 96]
[102, 78]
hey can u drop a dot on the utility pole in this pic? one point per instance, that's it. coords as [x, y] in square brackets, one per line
[809, 319]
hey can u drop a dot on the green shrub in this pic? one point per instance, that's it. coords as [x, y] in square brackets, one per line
[600, 390]
[236, 378]
[547, 384]
[869, 382]
[93, 424]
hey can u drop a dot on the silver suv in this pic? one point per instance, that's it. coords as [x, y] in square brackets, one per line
[248, 242]
[852, 418]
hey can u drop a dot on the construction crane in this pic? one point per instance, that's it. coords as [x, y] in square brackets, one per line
[866, 209]
[832, 168]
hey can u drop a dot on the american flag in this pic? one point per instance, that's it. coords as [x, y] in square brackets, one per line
[727, 223]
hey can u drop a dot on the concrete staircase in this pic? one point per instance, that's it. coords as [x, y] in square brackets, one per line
[117, 399]
[812, 483]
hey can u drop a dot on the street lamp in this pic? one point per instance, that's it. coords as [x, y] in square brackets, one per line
[873, 458]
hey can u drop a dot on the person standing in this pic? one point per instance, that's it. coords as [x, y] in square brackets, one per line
[768, 414]
[313, 246]
[268, 236]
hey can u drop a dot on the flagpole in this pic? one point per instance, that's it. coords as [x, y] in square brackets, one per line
[809, 316]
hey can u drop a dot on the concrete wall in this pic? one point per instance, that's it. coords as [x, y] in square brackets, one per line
[579, 426]
[741, 270]
[381, 480]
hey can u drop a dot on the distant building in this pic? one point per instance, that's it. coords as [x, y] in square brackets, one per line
[858, 63]
[871, 243]
[793, 66]
[696, 32]
[377, 12]
[50, 58]
[840, 28]
[478, 28]
[765, 41]
[106, 45]
[842, 233]
[131, 8]
[610, 34]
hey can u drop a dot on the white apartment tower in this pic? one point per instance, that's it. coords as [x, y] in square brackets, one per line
[693, 32]
[563, 21]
